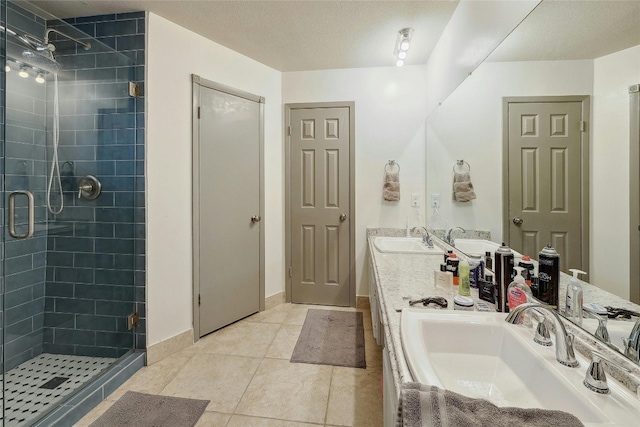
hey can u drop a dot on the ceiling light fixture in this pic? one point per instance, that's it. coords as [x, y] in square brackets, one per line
[7, 68]
[403, 42]
[40, 78]
[23, 72]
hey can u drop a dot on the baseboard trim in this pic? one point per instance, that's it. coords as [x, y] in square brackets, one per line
[274, 300]
[362, 302]
[166, 348]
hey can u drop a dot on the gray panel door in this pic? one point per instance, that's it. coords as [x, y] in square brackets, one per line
[544, 179]
[229, 181]
[320, 217]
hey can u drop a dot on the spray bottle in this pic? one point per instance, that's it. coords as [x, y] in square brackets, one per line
[573, 298]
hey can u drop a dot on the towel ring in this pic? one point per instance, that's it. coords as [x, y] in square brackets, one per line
[391, 163]
[461, 163]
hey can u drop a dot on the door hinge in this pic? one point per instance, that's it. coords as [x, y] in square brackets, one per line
[583, 126]
[199, 300]
[134, 90]
[290, 272]
[289, 130]
[198, 112]
[132, 321]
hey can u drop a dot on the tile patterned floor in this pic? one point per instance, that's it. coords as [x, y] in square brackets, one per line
[244, 370]
[27, 400]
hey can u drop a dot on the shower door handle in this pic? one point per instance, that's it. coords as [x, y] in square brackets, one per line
[12, 215]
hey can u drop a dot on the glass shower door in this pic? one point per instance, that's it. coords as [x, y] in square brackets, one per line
[69, 183]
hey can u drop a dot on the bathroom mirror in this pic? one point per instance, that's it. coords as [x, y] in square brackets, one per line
[562, 49]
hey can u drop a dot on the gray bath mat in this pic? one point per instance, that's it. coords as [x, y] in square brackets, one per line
[331, 337]
[148, 410]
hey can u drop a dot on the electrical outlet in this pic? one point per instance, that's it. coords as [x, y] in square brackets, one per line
[435, 200]
[415, 200]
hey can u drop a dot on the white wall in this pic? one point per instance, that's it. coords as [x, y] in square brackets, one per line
[468, 126]
[613, 74]
[474, 30]
[390, 108]
[173, 54]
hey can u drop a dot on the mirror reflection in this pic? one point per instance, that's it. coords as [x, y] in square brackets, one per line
[542, 128]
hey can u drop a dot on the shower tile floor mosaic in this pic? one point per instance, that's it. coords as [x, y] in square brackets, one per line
[26, 398]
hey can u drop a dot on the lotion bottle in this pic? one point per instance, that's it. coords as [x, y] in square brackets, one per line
[573, 298]
[518, 292]
[464, 288]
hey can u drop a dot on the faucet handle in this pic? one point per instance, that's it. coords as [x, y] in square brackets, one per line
[595, 379]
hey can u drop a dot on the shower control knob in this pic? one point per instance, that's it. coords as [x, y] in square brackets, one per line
[517, 220]
[255, 218]
[89, 187]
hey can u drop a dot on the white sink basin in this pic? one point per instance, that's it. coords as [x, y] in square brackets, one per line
[480, 355]
[404, 245]
[479, 246]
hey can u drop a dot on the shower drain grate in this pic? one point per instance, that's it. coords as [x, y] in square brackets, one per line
[40, 383]
[54, 382]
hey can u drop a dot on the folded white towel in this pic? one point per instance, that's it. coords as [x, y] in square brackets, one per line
[462, 187]
[391, 187]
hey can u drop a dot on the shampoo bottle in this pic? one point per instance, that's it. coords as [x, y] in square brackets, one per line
[573, 298]
[518, 292]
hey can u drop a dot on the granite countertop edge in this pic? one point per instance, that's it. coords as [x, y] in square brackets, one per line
[391, 314]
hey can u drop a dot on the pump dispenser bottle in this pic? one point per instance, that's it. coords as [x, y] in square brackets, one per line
[573, 298]
[518, 292]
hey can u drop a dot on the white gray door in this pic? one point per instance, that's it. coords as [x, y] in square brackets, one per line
[320, 214]
[545, 196]
[228, 207]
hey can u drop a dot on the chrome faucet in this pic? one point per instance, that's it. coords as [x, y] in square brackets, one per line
[601, 332]
[564, 340]
[632, 344]
[426, 237]
[595, 379]
[447, 236]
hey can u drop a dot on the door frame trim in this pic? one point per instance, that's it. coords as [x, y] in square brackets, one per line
[196, 83]
[352, 186]
[634, 189]
[584, 163]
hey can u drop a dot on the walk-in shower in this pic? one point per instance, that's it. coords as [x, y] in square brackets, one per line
[70, 178]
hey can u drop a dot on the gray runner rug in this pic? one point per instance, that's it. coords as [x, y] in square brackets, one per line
[331, 337]
[149, 410]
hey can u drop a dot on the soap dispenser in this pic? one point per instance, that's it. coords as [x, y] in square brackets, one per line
[573, 298]
[518, 292]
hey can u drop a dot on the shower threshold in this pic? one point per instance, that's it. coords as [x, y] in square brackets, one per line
[36, 385]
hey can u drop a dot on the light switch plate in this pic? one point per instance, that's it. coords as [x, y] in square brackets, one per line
[415, 200]
[435, 200]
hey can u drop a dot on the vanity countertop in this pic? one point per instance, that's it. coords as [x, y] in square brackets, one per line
[402, 277]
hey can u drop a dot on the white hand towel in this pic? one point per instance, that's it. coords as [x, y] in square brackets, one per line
[391, 187]
[462, 187]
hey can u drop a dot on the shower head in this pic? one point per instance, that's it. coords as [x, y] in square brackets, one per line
[43, 60]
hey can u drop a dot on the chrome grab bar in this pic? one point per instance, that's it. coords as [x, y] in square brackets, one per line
[12, 215]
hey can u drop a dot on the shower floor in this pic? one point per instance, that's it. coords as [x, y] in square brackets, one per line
[40, 383]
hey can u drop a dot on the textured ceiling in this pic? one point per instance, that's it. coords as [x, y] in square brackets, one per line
[313, 35]
[294, 35]
[558, 30]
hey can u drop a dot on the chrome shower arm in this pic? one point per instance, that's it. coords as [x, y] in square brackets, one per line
[85, 45]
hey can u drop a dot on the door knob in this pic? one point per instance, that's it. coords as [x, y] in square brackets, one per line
[255, 218]
[343, 217]
[517, 220]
